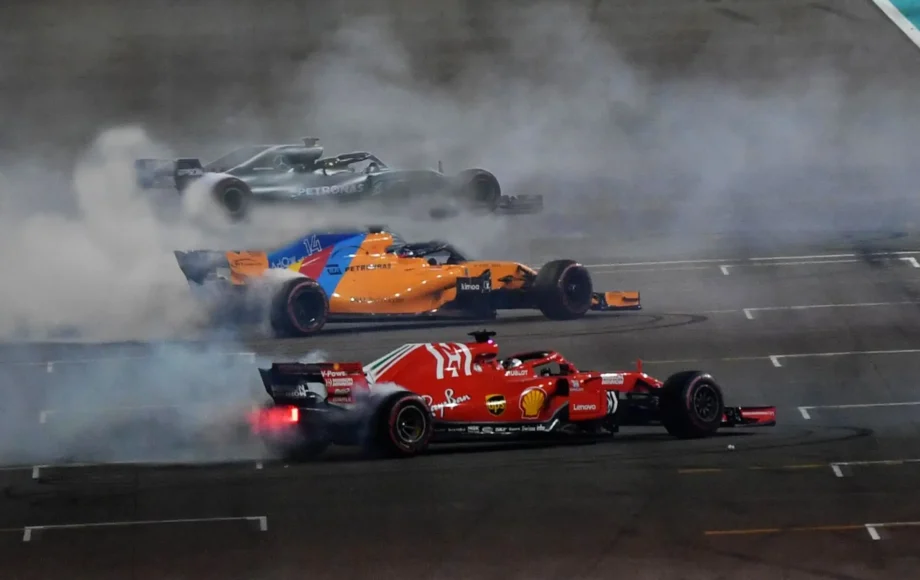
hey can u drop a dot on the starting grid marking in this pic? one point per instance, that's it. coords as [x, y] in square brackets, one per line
[27, 531]
[840, 469]
[776, 359]
[873, 529]
[806, 415]
[51, 364]
[38, 469]
[725, 265]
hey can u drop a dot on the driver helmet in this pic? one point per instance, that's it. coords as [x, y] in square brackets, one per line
[515, 362]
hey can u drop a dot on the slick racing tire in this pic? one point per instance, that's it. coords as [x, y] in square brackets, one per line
[563, 290]
[479, 189]
[234, 197]
[300, 307]
[691, 405]
[401, 426]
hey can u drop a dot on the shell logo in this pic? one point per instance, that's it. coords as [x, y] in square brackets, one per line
[532, 402]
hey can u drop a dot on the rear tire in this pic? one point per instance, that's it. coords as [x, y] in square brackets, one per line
[299, 308]
[691, 405]
[234, 197]
[563, 290]
[401, 426]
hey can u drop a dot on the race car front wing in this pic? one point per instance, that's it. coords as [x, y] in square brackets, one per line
[618, 300]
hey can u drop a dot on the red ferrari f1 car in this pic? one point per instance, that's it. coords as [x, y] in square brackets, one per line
[438, 392]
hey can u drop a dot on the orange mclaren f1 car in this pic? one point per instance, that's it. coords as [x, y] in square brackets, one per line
[351, 275]
[446, 392]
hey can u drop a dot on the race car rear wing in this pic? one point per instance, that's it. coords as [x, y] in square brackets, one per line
[302, 383]
[167, 173]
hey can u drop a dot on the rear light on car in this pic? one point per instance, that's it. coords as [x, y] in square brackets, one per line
[274, 418]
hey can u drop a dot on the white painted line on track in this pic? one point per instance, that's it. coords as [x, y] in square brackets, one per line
[899, 20]
[627, 270]
[777, 358]
[724, 267]
[758, 259]
[837, 465]
[27, 531]
[749, 312]
[806, 415]
[849, 353]
[50, 365]
[37, 469]
[873, 529]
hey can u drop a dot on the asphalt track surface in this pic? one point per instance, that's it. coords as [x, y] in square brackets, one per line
[827, 332]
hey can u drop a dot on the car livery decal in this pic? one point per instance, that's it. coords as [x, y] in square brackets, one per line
[310, 254]
[339, 260]
[376, 369]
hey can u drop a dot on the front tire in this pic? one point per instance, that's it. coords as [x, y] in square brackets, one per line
[299, 308]
[691, 405]
[563, 290]
[479, 189]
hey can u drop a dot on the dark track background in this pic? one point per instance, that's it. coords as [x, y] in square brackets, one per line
[642, 506]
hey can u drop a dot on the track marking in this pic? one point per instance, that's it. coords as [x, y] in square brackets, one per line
[899, 20]
[871, 529]
[724, 267]
[839, 468]
[807, 415]
[763, 531]
[50, 365]
[37, 469]
[27, 531]
[793, 466]
[779, 357]
[758, 259]
[749, 312]
[675, 269]
[845, 353]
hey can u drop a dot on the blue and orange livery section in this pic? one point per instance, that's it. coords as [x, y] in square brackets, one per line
[375, 272]
[322, 257]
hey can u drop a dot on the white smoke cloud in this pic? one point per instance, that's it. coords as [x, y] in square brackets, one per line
[176, 404]
[543, 96]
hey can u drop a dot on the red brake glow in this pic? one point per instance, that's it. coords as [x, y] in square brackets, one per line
[275, 418]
